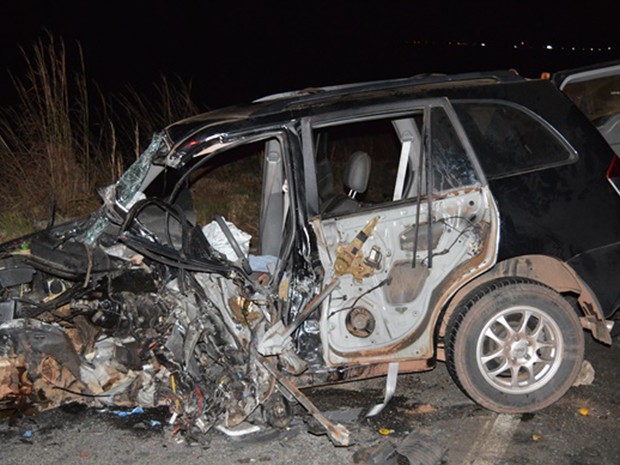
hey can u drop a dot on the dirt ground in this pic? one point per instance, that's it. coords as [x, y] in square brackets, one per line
[581, 429]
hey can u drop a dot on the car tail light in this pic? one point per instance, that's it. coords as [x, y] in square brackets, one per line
[613, 173]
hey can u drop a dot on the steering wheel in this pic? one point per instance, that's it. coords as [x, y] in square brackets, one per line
[245, 264]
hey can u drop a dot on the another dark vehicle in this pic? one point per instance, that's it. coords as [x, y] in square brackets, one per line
[595, 90]
[375, 229]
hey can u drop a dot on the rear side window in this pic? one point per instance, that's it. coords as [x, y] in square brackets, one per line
[451, 165]
[508, 139]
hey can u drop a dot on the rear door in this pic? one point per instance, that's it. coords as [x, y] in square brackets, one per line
[403, 240]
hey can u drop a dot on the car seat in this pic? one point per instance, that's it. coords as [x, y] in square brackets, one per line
[355, 178]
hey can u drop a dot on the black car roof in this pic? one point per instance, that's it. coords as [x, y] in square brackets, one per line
[312, 98]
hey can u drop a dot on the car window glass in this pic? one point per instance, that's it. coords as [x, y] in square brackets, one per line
[597, 98]
[509, 140]
[451, 166]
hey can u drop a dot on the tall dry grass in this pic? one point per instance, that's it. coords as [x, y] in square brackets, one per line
[65, 137]
[169, 100]
[45, 138]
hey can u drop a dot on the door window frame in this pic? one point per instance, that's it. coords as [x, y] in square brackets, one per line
[289, 147]
[390, 111]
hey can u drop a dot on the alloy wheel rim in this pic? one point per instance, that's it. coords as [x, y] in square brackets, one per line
[519, 350]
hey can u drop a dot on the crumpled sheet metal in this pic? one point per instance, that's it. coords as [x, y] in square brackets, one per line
[39, 365]
[35, 340]
[12, 382]
[171, 349]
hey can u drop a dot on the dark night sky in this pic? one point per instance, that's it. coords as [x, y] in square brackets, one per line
[235, 51]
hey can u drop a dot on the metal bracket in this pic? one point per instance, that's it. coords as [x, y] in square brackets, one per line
[600, 329]
[337, 433]
[277, 338]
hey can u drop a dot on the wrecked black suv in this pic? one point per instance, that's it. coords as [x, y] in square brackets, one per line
[325, 236]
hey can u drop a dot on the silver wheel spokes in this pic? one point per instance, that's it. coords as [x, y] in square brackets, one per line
[519, 350]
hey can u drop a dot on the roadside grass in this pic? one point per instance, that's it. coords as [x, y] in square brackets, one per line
[47, 146]
[65, 138]
[14, 225]
[144, 114]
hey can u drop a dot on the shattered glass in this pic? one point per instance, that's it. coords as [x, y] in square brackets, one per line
[125, 189]
[129, 183]
[93, 233]
[452, 169]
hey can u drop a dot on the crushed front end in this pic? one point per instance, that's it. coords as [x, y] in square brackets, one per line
[133, 306]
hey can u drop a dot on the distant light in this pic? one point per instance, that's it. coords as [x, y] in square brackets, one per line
[574, 49]
[514, 46]
[549, 47]
[608, 48]
[483, 44]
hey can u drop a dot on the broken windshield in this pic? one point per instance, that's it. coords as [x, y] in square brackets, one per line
[125, 192]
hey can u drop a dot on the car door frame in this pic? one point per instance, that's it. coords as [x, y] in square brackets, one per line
[449, 286]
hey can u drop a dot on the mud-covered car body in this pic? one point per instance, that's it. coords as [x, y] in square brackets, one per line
[388, 223]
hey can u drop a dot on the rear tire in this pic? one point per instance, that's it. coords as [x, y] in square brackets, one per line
[514, 346]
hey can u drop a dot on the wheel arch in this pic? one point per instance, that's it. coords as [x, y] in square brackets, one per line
[550, 271]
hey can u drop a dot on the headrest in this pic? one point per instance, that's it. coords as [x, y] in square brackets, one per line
[357, 172]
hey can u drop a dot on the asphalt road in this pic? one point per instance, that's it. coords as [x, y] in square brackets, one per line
[581, 429]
